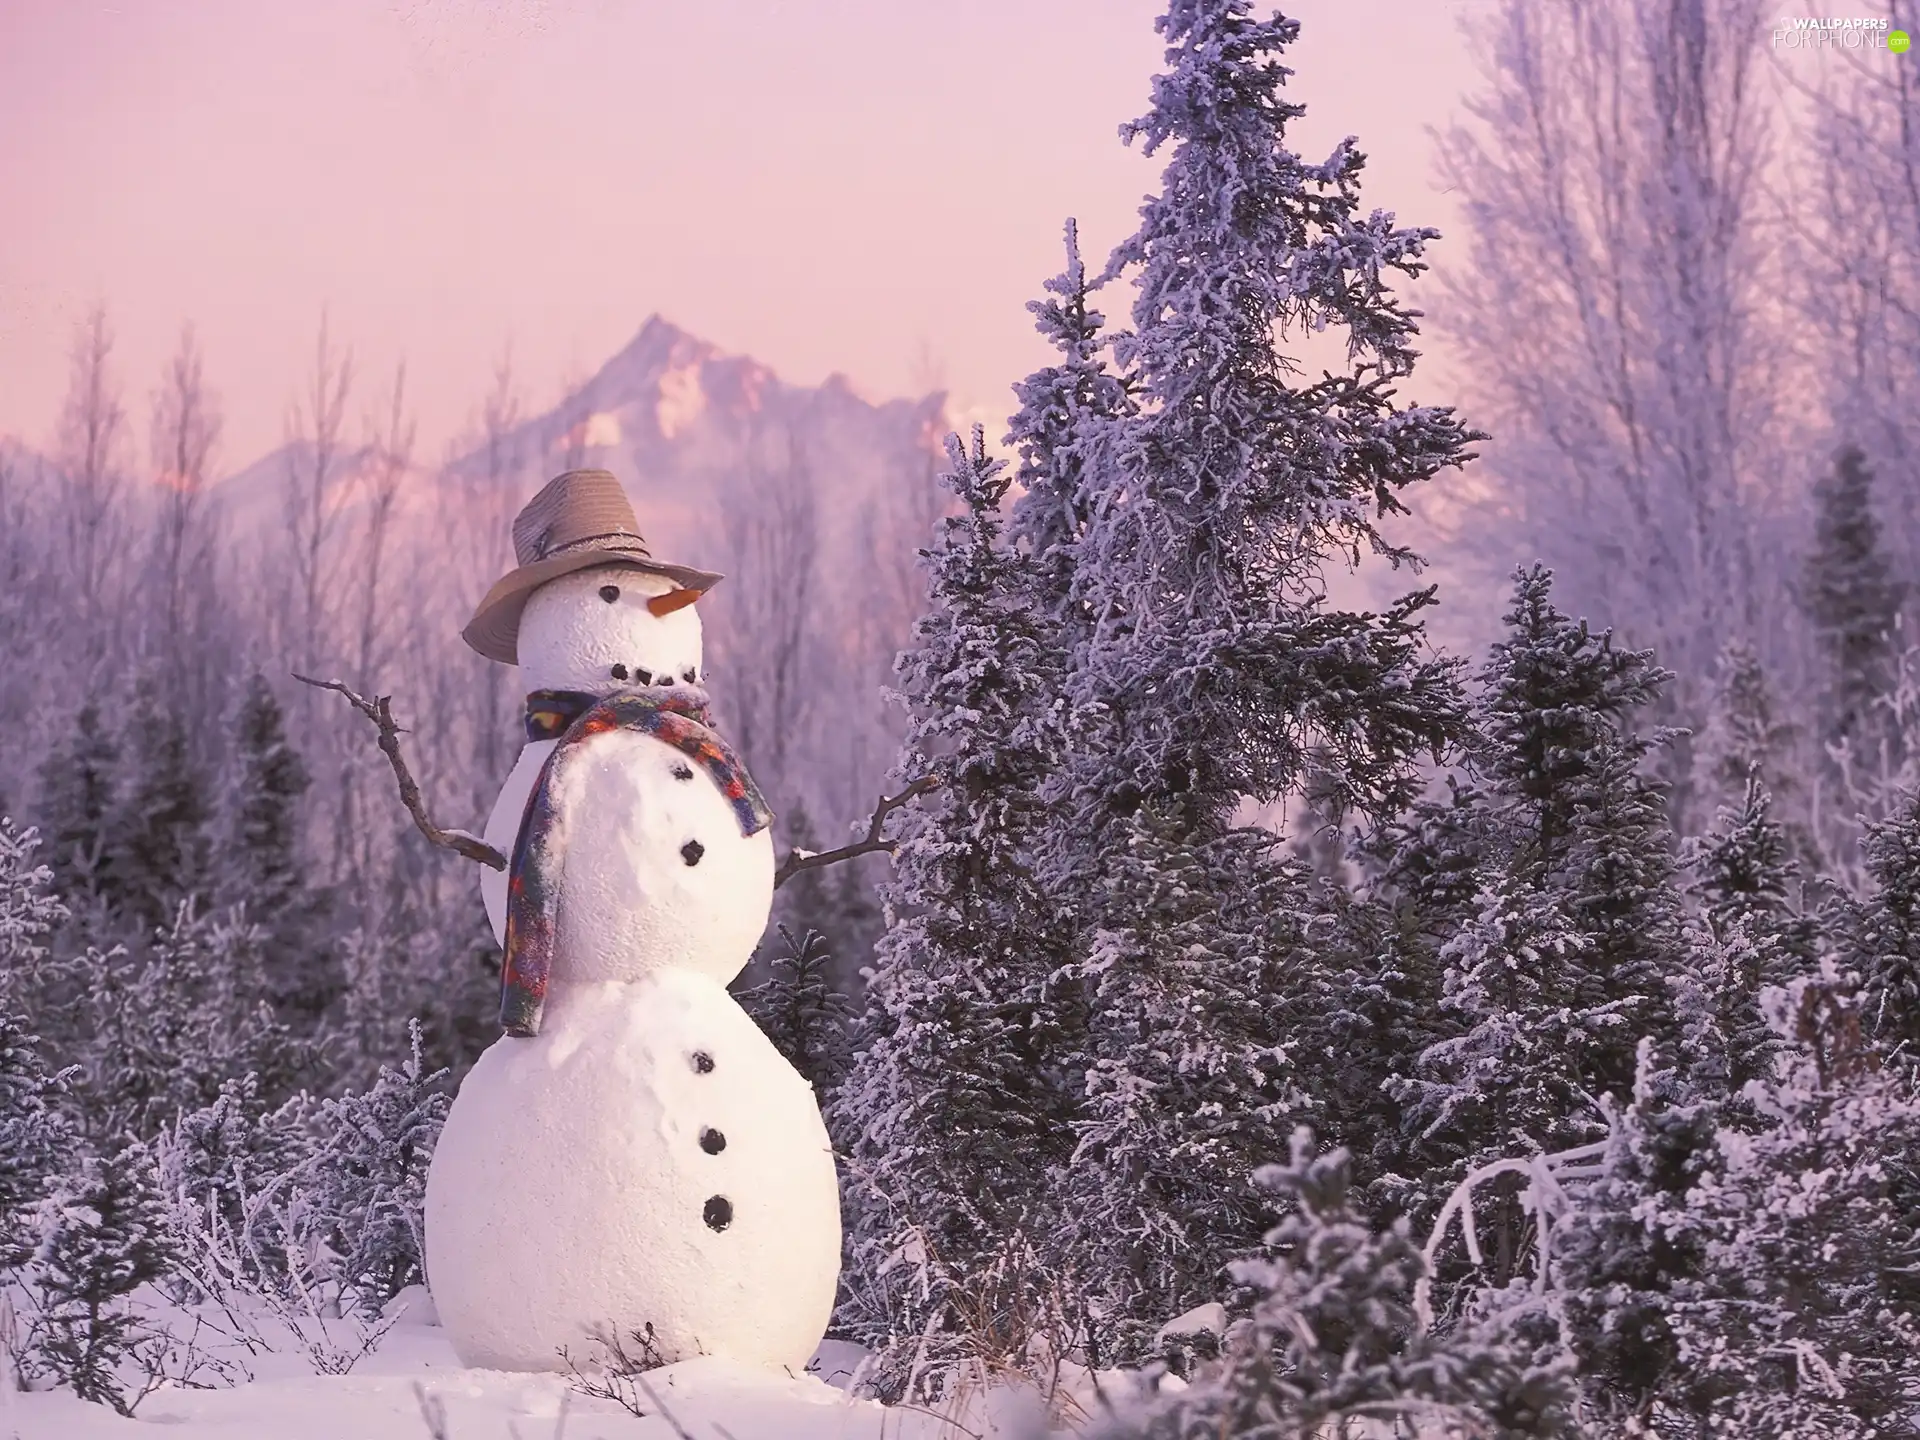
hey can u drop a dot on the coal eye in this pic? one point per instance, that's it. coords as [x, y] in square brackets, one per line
[609, 593]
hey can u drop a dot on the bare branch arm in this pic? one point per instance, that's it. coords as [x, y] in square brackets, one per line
[380, 711]
[800, 860]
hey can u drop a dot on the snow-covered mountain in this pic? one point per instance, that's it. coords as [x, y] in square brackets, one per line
[679, 422]
[676, 419]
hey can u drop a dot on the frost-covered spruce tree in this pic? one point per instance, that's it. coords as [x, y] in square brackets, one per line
[368, 1175]
[1420, 889]
[1512, 1077]
[1852, 599]
[36, 1139]
[1623, 1256]
[76, 806]
[209, 1161]
[101, 1237]
[1573, 815]
[36, 1136]
[1208, 667]
[1573, 941]
[258, 854]
[959, 1104]
[259, 824]
[1886, 932]
[1746, 735]
[158, 846]
[1331, 1343]
[29, 908]
[1057, 431]
[1745, 882]
[809, 1020]
[1214, 664]
[1803, 1319]
[1189, 1083]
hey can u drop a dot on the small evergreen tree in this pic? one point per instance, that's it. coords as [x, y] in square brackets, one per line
[36, 1139]
[78, 805]
[1513, 1076]
[1744, 879]
[1331, 1342]
[260, 824]
[29, 910]
[1189, 1080]
[1804, 1322]
[1624, 1257]
[173, 1020]
[208, 1161]
[101, 1237]
[1886, 932]
[960, 1096]
[809, 1021]
[260, 862]
[1851, 598]
[1574, 942]
[158, 847]
[1745, 736]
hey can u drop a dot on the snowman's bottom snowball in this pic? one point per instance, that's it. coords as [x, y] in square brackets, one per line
[577, 1187]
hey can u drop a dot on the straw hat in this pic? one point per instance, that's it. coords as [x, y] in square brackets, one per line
[578, 520]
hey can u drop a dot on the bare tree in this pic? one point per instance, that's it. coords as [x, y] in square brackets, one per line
[492, 495]
[770, 521]
[91, 470]
[315, 476]
[186, 429]
[377, 484]
[390, 441]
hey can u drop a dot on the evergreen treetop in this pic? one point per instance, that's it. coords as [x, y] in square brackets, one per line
[260, 827]
[79, 785]
[158, 847]
[1055, 431]
[1213, 666]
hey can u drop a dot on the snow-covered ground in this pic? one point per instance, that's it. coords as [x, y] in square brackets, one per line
[413, 1388]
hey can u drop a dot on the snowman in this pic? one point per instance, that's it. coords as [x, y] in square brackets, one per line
[633, 1156]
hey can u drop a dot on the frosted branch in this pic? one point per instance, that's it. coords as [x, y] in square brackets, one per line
[380, 711]
[874, 843]
[1542, 1198]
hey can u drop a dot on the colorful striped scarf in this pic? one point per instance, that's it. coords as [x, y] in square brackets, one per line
[677, 717]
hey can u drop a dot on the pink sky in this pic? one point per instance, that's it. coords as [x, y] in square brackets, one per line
[869, 186]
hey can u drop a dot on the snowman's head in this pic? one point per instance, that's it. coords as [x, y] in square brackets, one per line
[594, 631]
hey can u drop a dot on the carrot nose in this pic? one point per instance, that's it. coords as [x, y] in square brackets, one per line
[671, 601]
